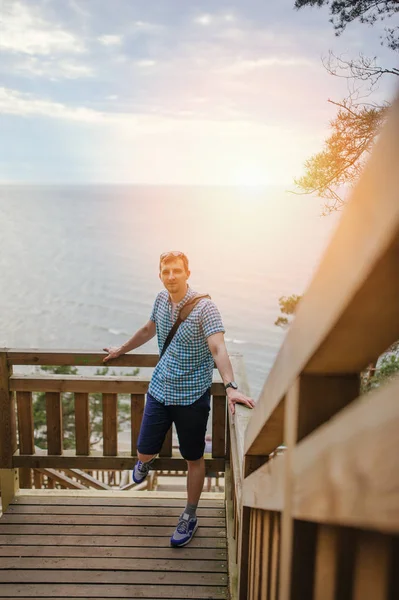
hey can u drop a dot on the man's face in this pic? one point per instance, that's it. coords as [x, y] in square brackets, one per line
[173, 275]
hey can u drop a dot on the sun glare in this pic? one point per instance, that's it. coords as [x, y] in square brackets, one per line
[251, 175]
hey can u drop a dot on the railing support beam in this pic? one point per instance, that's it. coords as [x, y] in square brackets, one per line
[9, 481]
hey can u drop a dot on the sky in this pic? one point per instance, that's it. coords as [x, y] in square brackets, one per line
[168, 91]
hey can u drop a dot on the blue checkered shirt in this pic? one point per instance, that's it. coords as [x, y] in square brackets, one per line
[185, 370]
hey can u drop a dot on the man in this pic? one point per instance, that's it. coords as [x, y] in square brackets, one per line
[179, 391]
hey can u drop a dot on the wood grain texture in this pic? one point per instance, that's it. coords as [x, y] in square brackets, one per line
[54, 423]
[52, 554]
[136, 411]
[100, 384]
[82, 424]
[346, 472]
[25, 422]
[218, 426]
[8, 437]
[350, 313]
[110, 424]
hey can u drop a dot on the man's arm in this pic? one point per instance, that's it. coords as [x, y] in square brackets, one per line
[143, 335]
[218, 349]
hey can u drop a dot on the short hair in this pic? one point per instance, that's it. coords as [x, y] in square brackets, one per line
[173, 254]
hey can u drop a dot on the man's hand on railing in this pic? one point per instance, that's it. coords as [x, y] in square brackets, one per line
[112, 353]
[235, 397]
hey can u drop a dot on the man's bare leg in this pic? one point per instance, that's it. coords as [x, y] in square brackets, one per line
[195, 480]
[145, 457]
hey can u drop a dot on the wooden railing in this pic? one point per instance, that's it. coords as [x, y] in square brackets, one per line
[315, 473]
[17, 450]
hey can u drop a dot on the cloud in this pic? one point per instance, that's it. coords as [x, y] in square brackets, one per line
[23, 30]
[245, 66]
[145, 63]
[53, 69]
[110, 40]
[13, 102]
[203, 19]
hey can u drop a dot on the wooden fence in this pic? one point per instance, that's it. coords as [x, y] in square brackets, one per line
[315, 469]
[17, 449]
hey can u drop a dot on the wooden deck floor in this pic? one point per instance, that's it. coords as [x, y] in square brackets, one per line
[96, 547]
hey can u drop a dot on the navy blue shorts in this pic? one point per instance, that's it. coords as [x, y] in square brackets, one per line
[190, 422]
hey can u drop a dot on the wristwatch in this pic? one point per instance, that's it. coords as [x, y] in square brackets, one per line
[231, 384]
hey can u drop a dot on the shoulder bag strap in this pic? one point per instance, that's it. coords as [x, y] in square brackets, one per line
[183, 314]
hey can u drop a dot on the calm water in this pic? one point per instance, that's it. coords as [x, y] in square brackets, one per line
[79, 265]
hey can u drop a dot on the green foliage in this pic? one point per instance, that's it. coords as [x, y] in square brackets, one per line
[387, 368]
[353, 132]
[368, 12]
[68, 410]
[288, 306]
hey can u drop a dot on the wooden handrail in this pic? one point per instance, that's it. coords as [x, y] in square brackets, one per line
[24, 386]
[350, 313]
[338, 467]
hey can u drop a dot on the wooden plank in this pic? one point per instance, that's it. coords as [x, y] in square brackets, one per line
[55, 476]
[291, 409]
[243, 552]
[25, 478]
[372, 569]
[136, 511]
[115, 577]
[25, 422]
[264, 489]
[212, 559]
[76, 383]
[155, 564]
[166, 450]
[258, 532]
[251, 556]
[326, 565]
[37, 461]
[137, 411]
[114, 498]
[332, 331]
[109, 541]
[333, 478]
[110, 424]
[218, 426]
[103, 530]
[8, 438]
[54, 423]
[101, 520]
[77, 358]
[275, 570]
[265, 555]
[92, 590]
[103, 570]
[87, 480]
[37, 479]
[82, 424]
[9, 486]
[236, 463]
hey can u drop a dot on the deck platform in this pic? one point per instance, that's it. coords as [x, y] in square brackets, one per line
[114, 546]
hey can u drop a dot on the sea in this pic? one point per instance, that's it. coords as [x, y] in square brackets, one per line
[79, 264]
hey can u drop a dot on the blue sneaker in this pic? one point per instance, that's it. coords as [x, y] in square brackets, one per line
[141, 470]
[184, 531]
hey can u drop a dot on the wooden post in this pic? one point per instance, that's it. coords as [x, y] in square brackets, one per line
[218, 426]
[9, 483]
[25, 434]
[310, 402]
[243, 552]
[110, 424]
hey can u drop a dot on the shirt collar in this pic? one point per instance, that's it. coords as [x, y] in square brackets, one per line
[190, 292]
